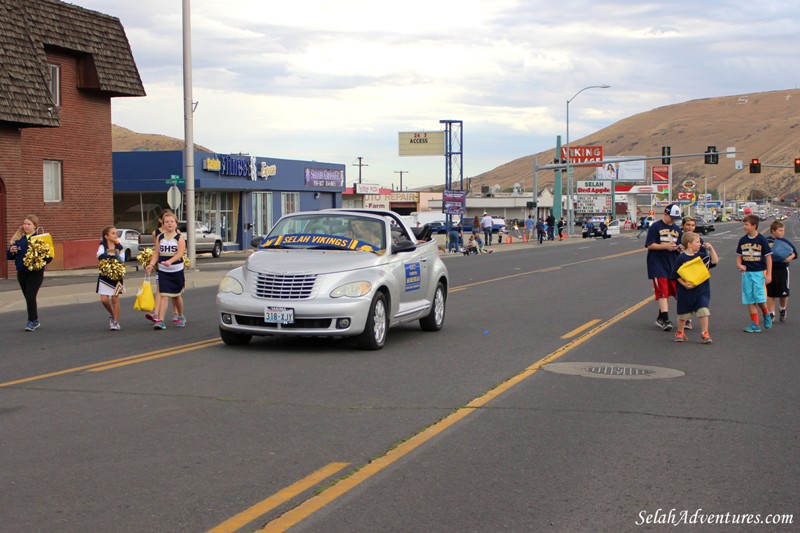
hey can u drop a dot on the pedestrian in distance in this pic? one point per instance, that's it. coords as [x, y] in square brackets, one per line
[663, 239]
[168, 255]
[783, 253]
[30, 281]
[551, 227]
[693, 300]
[108, 288]
[486, 225]
[643, 226]
[540, 230]
[529, 228]
[754, 260]
[456, 238]
[561, 229]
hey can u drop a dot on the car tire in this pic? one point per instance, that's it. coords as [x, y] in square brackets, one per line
[435, 319]
[234, 339]
[217, 250]
[127, 254]
[377, 327]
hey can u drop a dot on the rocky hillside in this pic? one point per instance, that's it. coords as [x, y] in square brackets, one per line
[125, 140]
[762, 125]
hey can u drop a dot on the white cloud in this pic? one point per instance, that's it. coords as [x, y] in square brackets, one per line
[336, 80]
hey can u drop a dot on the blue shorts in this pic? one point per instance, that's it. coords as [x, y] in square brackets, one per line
[754, 287]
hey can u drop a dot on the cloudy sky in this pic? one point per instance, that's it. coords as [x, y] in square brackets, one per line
[332, 81]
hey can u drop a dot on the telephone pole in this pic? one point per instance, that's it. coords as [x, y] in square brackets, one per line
[401, 172]
[359, 165]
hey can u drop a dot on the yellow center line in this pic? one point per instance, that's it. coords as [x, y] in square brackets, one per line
[315, 503]
[245, 517]
[143, 358]
[191, 346]
[580, 328]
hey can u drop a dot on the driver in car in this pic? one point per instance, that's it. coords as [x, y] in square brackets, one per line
[366, 231]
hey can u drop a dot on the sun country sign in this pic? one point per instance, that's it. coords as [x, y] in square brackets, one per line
[421, 143]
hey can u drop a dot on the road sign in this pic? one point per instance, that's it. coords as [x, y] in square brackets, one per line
[174, 197]
[174, 180]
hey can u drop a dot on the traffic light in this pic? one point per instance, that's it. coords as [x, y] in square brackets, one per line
[712, 158]
[665, 151]
[797, 165]
[755, 166]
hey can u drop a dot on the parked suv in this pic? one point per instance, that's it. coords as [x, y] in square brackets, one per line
[702, 226]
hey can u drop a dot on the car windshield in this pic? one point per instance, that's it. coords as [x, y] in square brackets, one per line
[327, 231]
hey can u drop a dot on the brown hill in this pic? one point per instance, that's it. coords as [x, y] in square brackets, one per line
[761, 125]
[125, 140]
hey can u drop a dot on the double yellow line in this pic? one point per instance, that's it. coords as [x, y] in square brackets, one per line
[123, 361]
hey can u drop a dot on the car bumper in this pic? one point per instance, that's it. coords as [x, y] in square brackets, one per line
[325, 317]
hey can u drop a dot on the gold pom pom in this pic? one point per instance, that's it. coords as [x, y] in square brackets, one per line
[145, 256]
[112, 268]
[37, 255]
[186, 261]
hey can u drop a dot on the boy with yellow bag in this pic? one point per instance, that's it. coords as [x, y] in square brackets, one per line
[694, 288]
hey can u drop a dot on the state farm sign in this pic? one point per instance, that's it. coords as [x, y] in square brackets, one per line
[593, 187]
[583, 154]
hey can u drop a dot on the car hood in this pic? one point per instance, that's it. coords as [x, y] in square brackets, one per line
[311, 261]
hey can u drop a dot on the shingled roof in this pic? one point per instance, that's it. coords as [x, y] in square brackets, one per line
[29, 27]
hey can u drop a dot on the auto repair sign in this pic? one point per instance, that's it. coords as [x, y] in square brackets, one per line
[594, 187]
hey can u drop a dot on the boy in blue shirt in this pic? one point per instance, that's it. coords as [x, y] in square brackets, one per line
[754, 260]
[663, 238]
[783, 252]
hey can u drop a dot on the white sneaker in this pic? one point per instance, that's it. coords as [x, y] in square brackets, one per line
[115, 326]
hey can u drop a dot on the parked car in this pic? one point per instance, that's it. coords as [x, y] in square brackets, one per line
[702, 226]
[335, 273]
[129, 239]
[206, 241]
[597, 228]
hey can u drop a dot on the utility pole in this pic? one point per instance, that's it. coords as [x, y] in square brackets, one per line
[401, 172]
[359, 165]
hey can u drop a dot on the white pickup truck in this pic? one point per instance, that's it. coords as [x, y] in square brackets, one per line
[205, 240]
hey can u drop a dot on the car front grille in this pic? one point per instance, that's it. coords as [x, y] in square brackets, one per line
[301, 323]
[285, 286]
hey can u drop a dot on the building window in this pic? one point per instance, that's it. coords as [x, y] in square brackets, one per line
[262, 212]
[55, 84]
[290, 202]
[52, 181]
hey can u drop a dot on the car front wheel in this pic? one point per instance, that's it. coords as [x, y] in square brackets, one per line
[234, 339]
[374, 335]
[435, 320]
[217, 251]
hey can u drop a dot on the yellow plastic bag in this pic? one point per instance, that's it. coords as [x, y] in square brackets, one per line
[144, 298]
[694, 271]
[45, 237]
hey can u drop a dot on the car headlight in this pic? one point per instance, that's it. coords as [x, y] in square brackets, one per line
[229, 284]
[352, 290]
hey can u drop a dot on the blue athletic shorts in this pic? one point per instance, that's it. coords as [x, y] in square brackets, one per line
[754, 287]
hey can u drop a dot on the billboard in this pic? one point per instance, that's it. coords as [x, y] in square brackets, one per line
[593, 187]
[421, 143]
[583, 154]
[454, 202]
[622, 171]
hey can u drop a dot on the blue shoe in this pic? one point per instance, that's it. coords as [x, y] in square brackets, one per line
[752, 328]
[159, 325]
[180, 322]
[30, 326]
[768, 321]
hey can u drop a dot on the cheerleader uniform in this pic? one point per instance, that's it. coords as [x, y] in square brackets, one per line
[171, 280]
[105, 285]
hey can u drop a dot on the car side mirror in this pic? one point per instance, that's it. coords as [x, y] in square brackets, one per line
[404, 245]
[256, 241]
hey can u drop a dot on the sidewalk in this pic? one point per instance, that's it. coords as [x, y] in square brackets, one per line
[64, 287]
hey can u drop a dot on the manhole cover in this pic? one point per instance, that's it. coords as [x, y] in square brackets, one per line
[613, 370]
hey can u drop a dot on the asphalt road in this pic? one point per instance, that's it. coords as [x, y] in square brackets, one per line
[467, 429]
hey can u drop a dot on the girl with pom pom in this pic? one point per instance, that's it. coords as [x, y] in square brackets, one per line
[30, 270]
[112, 270]
[168, 255]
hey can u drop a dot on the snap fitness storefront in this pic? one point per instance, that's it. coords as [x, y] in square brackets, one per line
[236, 196]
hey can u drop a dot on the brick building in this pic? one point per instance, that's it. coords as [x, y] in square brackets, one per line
[60, 65]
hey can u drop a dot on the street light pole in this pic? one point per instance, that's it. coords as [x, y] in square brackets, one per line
[570, 201]
[401, 172]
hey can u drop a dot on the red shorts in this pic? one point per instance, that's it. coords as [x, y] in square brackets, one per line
[665, 287]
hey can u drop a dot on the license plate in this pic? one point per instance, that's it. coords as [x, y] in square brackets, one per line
[279, 315]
